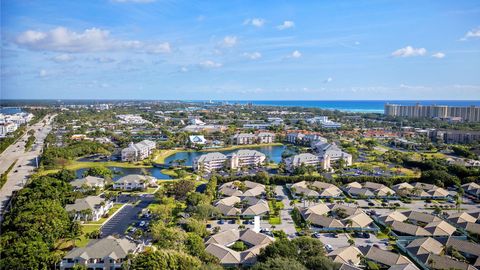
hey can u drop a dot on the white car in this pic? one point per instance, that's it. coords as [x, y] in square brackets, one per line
[142, 224]
[329, 248]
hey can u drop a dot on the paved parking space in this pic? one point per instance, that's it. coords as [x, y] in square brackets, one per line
[371, 241]
[119, 223]
[341, 240]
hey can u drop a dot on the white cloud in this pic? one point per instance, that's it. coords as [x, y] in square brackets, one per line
[296, 54]
[63, 58]
[229, 41]
[438, 55]
[61, 39]
[357, 43]
[103, 59]
[159, 48]
[329, 79]
[183, 69]
[210, 64]
[286, 25]
[43, 73]
[409, 51]
[253, 55]
[474, 33]
[257, 22]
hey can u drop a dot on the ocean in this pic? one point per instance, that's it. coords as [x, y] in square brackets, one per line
[10, 110]
[363, 106]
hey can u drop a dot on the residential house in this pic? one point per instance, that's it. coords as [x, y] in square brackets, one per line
[89, 208]
[88, 182]
[429, 253]
[105, 253]
[316, 189]
[243, 198]
[336, 217]
[369, 190]
[197, 140]
[134, 182]
[219, 246]
[472, 189]
[383, 257]
[422, 190]
[349, 255]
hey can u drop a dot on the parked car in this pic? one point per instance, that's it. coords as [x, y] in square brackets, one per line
[328, 248]
[142, 223]
[221, 222]
[316, 235]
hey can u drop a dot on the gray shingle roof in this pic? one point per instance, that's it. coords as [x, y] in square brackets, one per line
[110, 247]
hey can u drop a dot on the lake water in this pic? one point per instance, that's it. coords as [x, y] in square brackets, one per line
[119, 172]
[274, 153]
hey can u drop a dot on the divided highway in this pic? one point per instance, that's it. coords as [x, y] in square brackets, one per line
[26, 161]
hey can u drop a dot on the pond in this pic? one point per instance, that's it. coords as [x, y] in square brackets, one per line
[274, 153]
[119, 172]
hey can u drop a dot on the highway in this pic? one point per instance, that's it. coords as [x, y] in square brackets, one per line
[26, 161]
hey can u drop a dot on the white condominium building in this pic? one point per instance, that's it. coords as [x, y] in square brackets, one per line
[217, 161]
[246, 158]
[306, 159]
[138, 151]
[210, 162]
[332, 152]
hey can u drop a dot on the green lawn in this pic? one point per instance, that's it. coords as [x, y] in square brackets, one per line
[382, 235]
[75, 165]
[275, 220]
[161, 155]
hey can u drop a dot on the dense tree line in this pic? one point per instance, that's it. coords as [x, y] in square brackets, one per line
[36, 221]
[54, 156]
[301, 253]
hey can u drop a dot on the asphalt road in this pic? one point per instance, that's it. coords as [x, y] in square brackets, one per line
[119, 223]
[26, 161]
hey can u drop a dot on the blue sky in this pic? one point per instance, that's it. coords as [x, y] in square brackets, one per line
[244, 50]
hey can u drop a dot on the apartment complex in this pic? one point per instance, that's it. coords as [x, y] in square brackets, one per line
[138, 151]
[105, 253]
[471, 114]
[248, 138]
[239, 159]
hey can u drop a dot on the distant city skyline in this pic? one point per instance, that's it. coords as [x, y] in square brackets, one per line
[240, 50]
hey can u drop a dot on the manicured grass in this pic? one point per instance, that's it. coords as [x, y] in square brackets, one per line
[161, 155]
[83, 238]
[275, 220]
[75, 165]
[382, 235]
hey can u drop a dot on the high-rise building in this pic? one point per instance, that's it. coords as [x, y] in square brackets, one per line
[470, 114]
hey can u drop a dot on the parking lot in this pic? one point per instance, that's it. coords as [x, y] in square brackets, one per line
[340, 240]
[119, 223]
[334, 240]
